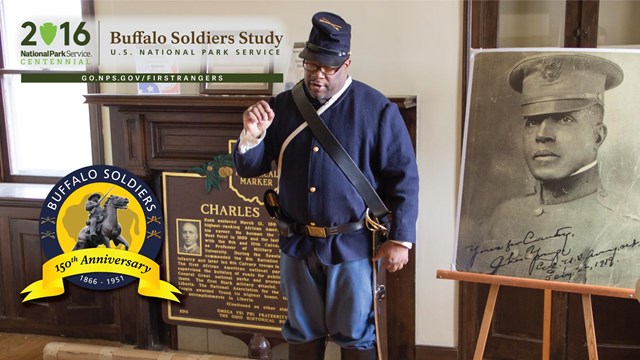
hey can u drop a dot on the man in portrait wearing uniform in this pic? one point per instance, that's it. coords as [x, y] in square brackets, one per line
[569, 228]
[326, 273]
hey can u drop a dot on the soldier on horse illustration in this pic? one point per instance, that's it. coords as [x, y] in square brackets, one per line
[102, 225]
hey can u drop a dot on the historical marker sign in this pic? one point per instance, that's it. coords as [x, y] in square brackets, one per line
[221, 251]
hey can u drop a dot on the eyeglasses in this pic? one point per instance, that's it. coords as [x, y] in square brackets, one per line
[327, 70]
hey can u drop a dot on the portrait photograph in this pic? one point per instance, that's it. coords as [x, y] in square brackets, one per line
[189, 237]
[549, 187]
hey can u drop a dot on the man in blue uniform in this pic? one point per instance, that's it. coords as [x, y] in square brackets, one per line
[569, 228]
[327, 279]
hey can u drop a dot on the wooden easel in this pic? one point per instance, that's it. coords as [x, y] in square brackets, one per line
[495, 281]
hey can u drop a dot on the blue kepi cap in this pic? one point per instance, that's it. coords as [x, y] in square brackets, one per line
[329, 40]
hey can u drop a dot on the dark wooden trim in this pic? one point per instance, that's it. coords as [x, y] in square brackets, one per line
[206, 102]
[26, 179]
[466, 46]
[4, 147]
[581, 15]
[469, 318]
[480, 30]
[484, 23]
[401, 313]
[590, 13]
[1, 55]
[571, 23]
[424, 352]
[95, 117]
[176, 102]
[95, 113]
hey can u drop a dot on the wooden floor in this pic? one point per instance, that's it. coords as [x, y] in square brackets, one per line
[29, 347]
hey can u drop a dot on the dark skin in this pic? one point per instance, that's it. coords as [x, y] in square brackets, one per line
[259, 116]
[558, 144]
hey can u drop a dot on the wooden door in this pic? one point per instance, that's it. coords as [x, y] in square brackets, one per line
[77, 313]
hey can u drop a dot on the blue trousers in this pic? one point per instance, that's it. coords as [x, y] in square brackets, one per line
[328, 300]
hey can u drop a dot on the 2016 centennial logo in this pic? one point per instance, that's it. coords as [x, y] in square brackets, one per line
[100, 228]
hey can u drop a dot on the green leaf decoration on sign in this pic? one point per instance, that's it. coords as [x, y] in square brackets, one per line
[48, 32]
[215, 171]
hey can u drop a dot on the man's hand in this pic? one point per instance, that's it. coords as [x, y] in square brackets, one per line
[394, 256]
[257, 118]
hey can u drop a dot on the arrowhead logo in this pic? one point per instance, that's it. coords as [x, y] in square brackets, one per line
[48, 32]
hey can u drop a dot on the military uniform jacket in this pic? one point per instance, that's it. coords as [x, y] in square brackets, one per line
[313, 189]
[580, 235]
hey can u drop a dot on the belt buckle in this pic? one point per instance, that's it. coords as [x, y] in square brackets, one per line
[316, 231]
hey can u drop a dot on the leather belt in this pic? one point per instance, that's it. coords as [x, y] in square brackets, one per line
[288, 229]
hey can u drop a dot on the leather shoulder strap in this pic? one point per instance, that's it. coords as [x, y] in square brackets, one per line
[337, 152]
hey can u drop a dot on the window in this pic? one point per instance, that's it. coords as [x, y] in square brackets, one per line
[48, 130]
